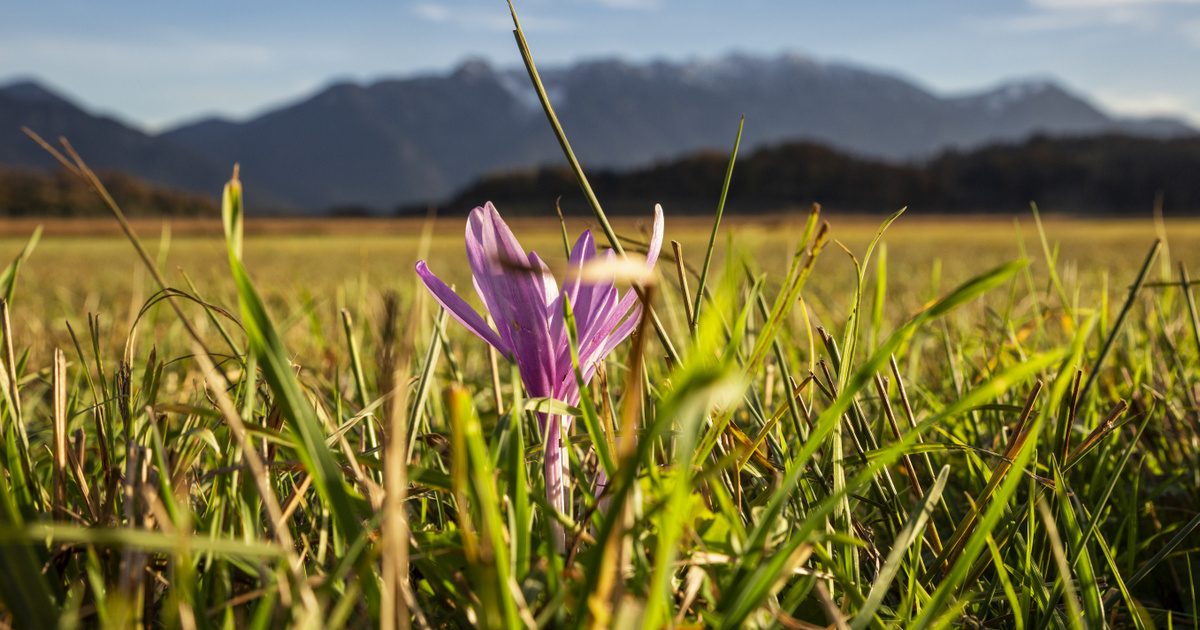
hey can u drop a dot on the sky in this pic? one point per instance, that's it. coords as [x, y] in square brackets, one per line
[156, 63]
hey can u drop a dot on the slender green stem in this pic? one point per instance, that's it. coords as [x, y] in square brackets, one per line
[712, 237]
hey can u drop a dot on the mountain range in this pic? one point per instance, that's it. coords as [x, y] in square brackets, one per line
[420, 139]
[105, 142]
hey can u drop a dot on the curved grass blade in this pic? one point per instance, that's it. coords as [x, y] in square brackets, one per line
[8, 277]
[702, 283]
[912, 531]
[749, 586]
[829, 418]
[347, 509]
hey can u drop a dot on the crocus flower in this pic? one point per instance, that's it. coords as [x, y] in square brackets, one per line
[526, 304]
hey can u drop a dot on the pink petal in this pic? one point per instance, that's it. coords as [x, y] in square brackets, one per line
[656, 237]
[620, 334]
[606, 321]
[594, 301]
[599, 348]
[459, 309]
[542, 271]
[516, 290]
[583, 251]
[593, 348]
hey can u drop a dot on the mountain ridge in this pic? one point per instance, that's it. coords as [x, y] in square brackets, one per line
[107, 142]
[395, 141]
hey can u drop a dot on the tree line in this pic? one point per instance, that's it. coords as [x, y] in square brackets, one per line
[1101, 175]
[27, 192]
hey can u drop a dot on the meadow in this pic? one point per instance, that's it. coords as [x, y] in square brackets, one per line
[325, 265]
[955, 473]
[815, 421]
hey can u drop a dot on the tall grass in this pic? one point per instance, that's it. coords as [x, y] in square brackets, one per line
[1004, 456]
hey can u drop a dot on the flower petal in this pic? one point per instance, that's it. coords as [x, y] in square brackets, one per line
[483, 258]
[656, 237]
[459, 309]
[516, 291]
[542, 271]
[507, 246]
[583, 251]
[595, 300]
[607, 320]
[597, 349]
[619, 334]
[600, 341]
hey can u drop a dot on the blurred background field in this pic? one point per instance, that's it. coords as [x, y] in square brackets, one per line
[318, 266]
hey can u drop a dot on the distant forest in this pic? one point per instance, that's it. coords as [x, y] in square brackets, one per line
[1102, 175]
[30, 193]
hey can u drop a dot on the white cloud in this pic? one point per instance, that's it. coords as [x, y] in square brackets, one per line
[484, 20]
[1102, 4]
[1054, 15]
[156, 79]
[1161, 17]
[1145, 103]
[1042, 21]
[166, 52]
[1191, 30]
[636, 5]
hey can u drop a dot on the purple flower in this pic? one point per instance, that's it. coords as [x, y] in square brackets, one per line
[526, 304]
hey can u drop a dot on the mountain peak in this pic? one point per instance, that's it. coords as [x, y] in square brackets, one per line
[473, 68]
[1027, 92]
[1036, 86]
[31, 91]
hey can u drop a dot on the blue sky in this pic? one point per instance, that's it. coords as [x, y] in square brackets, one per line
[156, 62]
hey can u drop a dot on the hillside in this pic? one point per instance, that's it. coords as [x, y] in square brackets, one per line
[1110, 174]
[32, 193]
[107, 143]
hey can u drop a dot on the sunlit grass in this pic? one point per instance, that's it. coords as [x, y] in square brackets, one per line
[947, 423]
[841, 468]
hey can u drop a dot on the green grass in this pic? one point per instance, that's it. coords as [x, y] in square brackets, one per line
[1053, 505]
[982, 423]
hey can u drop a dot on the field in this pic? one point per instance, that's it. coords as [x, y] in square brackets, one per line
[990, 430]
[324, 265]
